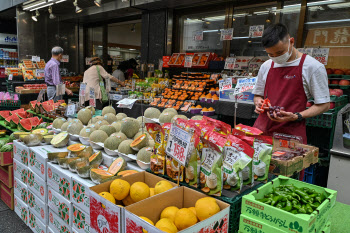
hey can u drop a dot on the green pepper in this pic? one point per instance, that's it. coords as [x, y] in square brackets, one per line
[303, 201]
[275, 200]
[309, 210]
[279, 205]
[302, 194]
[302, 210]
[314, 205]
[263, 200]
[268, 201]
[313, 195]
[288, 206]
[296, 196]
[294, 211]
[295, 202]
[270, 195]
[311, 200]
[289, 197]
[291, 187]
[296, 206]
[320, 198]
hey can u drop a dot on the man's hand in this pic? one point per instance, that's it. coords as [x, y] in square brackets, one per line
[69, 92]
[284, 116]
[258, 101]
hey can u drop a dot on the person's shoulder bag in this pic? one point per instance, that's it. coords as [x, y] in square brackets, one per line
[104, 95]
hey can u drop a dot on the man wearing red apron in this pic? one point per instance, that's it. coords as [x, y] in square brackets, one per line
[288, 80]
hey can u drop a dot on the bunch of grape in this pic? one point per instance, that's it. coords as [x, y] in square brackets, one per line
[277, 110]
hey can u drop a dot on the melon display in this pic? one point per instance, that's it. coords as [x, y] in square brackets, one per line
[64, 126]
[76, 149]
[40, 131]
[125, 148]
[117, 125]
[58, 122]
[64, 162]
[110, 118]
[84, 172]
[130, 127]
[108, 109]
[78, 163]
[84, 115]
[139, 119]
[74, 128]
[120, 116]
[144, 155]
[179, 116]
[86, 131]
[93, 126]
[18, 134]
[166, 117]
[170, 110]
[96, 119]
[15, 120]
[100, 123]
[119, 137]
[108, 129]
[112, 143]
[97, 175]
[118, 165]
[140, 132]
[33, 139]
[152, 113]
[86, 153]
[140, 142]
[4, 114]
[197, 117]
[98, 136]
[71, 120]
[91, 108]
[96, 158]
[126, 173]
[60, 140]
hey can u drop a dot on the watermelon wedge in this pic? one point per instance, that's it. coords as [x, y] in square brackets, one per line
[8, 120]
[32, 104]
[47, 108]
[40, 121]
[37, 108]
[34, 121]
[25, 125]
[60, 101]
[18, 110]
[14, 121]
[21, 115]
[4, 114]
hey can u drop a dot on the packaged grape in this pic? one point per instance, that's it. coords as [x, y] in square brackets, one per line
[262, 157]
[158, 155]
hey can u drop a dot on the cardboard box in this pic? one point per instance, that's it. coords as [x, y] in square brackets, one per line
[6, 175]
[181, 197]
[20, 171]
[59, 180]
[20, 190]
[21, 209]
[112, 215]
[7, 195]
[20, 152]
[80, 194]
[282, 219]
[38, 207]
[49, 230]
[81, 220]
[6, 158]
[57, 225]
[60, 206]
[35, 224]
[38, 158]
[37, 185]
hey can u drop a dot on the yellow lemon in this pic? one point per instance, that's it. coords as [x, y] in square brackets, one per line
[139, 191]
[119, 189]
[107, 196]
[151, 192]
[147, 220]
[169, 212]
[162, 186]
[206, 207]
[166, 223]
[128, 201]
[185, 218]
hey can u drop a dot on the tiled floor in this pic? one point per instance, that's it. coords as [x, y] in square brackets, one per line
[10, 222]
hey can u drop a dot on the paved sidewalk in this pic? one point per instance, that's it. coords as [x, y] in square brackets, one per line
[10, 222]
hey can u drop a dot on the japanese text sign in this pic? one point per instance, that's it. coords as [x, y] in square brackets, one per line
[245, 84]
[225, 84]
[230, 63]
[321, 55]
[188, 61]
[227, 34]
[256, 31]
[178, 145]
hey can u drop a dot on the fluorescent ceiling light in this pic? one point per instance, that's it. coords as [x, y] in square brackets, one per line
[46, 5]
[132, 49]
[339, 5]
[212, 30]
[60, 1]
[324, 2]
[34, 4]
[329, 21]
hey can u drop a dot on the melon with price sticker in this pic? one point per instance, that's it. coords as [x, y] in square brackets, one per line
[117, 125]
[84, 115]
[110, 118]
[130, 127]
[64, 126]
[140, 142]
[86, 131]
[108, 109]
[120, 116]
[74, 128]
[124, 147]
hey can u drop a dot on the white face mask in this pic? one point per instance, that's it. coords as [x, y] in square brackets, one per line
[283, 58]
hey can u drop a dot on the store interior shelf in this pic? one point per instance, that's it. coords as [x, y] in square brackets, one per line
[40, 115]
[2, 123]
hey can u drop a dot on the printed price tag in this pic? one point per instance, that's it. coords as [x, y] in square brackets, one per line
[178, 145]
[82, 89]
[256, 31]
[70, 110]
[321, 55]
[116, 97]
[40, 96]
[39, 73]
[198, 36]
[245, 84]
[227, 34]
[225, 84]
[230, 63]
[35, 59]
[60, 89]
[188, 61]
[65, 58]
[92, 100]
[10, 76]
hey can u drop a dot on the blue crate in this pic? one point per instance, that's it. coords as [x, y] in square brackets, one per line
[310, 174]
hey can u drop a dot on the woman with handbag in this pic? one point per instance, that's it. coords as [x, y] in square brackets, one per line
[94, 78]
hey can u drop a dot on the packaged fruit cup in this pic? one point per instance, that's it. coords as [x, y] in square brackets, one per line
[208, 111]
[209, 98]
[215, 99]
[196, 109]
[202, 98]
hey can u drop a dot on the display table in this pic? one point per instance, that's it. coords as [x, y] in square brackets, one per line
[340, 218]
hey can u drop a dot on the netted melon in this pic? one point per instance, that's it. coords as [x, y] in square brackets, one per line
[151, 143]
[125, 148]
[96, 158]
[63, 162]
[130, 127]
[166, 117]
[85, 132]
[140, 132]
[100, 123]
[60, 139]
[144, 155]
[93, 126]
[110, 118]
[78, 163]
[112, 143]
[152, 113]
[119, 137]
[64, 126]
[120, 116]
[32, 139]
[84, 115]
[87, 152]
[58, 122]
[91, 108]
[96, 119]
[71, 120]
[170, 110]
[108, 109]
[97, 175]
[98, 136]
[75, 128]
[84, 172]
[140, 142]
[139, 119]
[108, 129]
[197, 117]
[118, 165]
[117, 125]
[179, 116]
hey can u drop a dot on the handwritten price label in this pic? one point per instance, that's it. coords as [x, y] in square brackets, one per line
[244, 85]
[225, 84]
[321, 55]
[188, 61]
[178, 145]
[92, 100]
[230, 63]
[227, 34]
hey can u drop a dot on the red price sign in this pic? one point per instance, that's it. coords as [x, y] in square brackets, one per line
[321, 55]
[244, 85]
[227, 34]
[179, 143]
[225, 84]
[92, 102]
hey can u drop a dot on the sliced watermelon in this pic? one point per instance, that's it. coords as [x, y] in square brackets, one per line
[21, 115]
[40, 121]
[32, 104]
[14, 121]
[34, 121]
[8, 120]
[47, 108]
[50, 102]
[37, 108]
[60, 101]
[4, 114]
[18, 110]
[25, 125]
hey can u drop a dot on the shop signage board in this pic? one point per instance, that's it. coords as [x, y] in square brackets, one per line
[198, 35]
[225, 84]
[333, 36]
[8, 39]
[40, 73]
[230, 63]
[227, 34]
[65, 58]
[245, 84]
[92, 100]
[321, 55]
[256, 31]
[188, 61]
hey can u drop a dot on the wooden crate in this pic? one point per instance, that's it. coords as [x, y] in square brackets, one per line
[6, 195]
[6, 175]
[6, 158]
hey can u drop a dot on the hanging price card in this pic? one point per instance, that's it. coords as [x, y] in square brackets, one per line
[92, 100]
[198, 36]
[70, 110]
[178, 145]
[225, 84]
[40, 73]
[65, 58]
[230, 63]
[188, 61]
[256, 31]
[321, 55]
[245, 84]
[10, 77]
[227, 34]
[82, 89]
[116, 97]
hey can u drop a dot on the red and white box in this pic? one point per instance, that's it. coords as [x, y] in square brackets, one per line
[38, 207]
[57, 225]
[21, 209]
[81, 220]
[6, 158]
[7, 195]
[112, 215]
[60, 206]
[20, 190]
[80, 193]
[21, 152]
[181, 197]
[37, 185]
[59, 180]
[35, 224]
[6, 175]
[49, 230]
[20, 171]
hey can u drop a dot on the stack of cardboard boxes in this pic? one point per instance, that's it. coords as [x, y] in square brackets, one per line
[6, 178]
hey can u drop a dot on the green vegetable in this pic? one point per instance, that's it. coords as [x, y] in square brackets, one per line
[288, 206]
[302, 194]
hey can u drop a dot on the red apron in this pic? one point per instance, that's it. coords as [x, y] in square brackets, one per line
[284, 88]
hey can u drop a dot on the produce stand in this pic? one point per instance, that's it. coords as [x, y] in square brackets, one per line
[40, 115]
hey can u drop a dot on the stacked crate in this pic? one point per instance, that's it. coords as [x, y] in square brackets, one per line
[6, 179]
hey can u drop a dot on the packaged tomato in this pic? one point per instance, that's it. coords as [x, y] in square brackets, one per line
[262, 157]
[158, 155]
[248, 130]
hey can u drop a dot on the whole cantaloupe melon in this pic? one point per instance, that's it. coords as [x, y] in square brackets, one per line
[166, 117]
[96, 119]
[85, 132]
[197, 117]
[64, 126]
[179, 116]
[108, 109]
[110, 117]
[84, 115]
[120, 116]
[108, 129]
[71, 120]
[74, 128]
[98, 136]
[119, 137]
[100, 123]
[111, 143]
[117, 125]
[130, 127]
[144, 155]
[124, 147]
[58, 122]
[152, 112]
[170, 110]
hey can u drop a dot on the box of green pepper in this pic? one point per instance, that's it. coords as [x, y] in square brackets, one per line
[284, 201]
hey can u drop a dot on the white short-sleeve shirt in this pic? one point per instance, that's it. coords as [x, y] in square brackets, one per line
[315, 79]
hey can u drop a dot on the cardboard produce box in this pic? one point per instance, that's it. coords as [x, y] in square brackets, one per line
[112, 214]
[37, 185]
[6, 175]
[281, 219]
[21, 190]
[21, 209]
[80, 194]
[60, 206]
[7, 195]
[248, 225]
[38, 207]
[57, 225]
[6, 158]
[20, 171]
[81, 220]
[59, 180]
[35, 224]
[181, 197]
[20, 152]
[49, 230]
